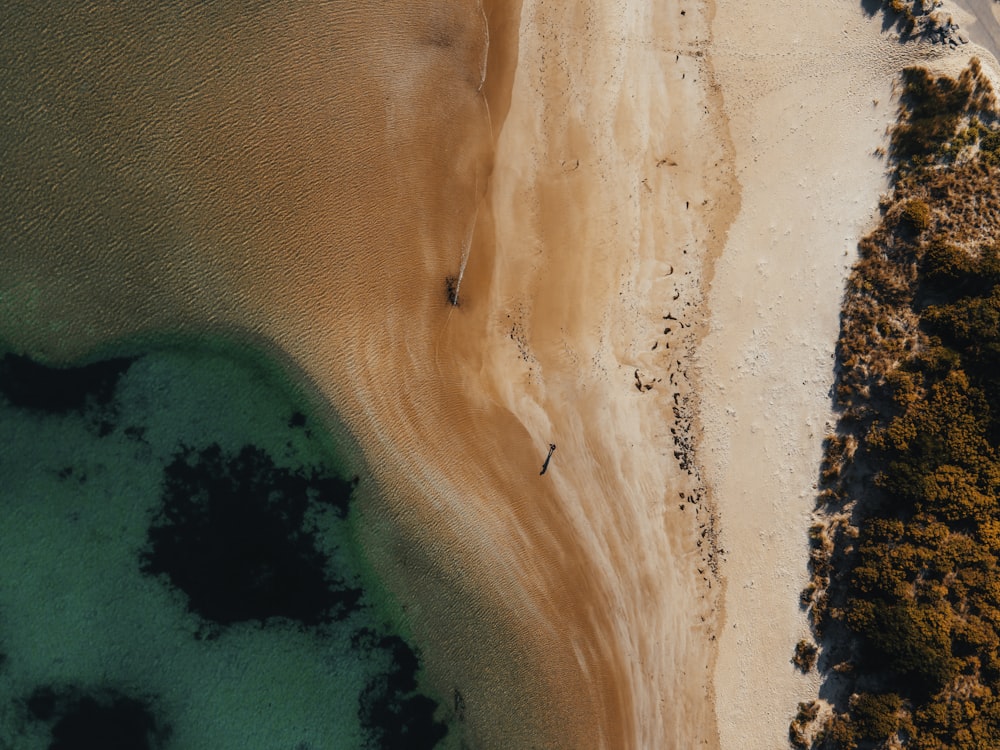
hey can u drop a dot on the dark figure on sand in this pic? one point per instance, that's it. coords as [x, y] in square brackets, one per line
[545, 466]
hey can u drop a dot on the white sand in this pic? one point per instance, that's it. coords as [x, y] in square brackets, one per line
[808, 93]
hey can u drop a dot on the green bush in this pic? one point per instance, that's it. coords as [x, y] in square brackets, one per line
[933, 110]
[944, 264]
[990, 141]
[839, 734]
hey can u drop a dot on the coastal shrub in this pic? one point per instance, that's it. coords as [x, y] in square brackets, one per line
[805, 657]
[967, 323]
[903, 387]
[989, 146]
[932, 108]
[919, 389]
[818, 539]
[876, 716]
[904, 14]
[990, 141]
[819, 613]
[833, 461]
[965, 138]
[806, 595]
[807, 714]
[916, 216]
[987, 267]
[944, 264]
[839, 734]
[797, 737]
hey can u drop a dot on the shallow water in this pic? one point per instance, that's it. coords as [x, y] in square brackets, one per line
[302, 177]
[168, 166]
[106, 500]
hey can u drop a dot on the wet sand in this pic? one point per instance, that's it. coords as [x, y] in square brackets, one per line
[310, 178]
[591, 298]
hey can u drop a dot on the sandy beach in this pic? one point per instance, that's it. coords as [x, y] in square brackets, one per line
[603, 212]
[809, 95]
[645, 213]
[575, 609]
[578, 305]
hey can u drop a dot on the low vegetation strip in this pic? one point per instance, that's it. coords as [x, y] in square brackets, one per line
[905, 590]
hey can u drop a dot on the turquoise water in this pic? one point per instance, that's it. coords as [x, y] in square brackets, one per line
[177, 564]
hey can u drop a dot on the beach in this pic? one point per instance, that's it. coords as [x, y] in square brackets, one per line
[472, 232]
[579, 285]
[806, 116]
[809, 97]
[603, 212]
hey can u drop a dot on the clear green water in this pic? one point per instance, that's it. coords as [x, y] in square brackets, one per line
[79, 491]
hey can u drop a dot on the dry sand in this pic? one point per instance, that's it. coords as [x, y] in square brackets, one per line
[808, 92]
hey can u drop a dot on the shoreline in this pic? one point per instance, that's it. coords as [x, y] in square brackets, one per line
[649, 208]
[627, 252]
[317, 196]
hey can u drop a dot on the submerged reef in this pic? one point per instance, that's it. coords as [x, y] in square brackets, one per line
[80, 720]
[232, 535]
[59, 390]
